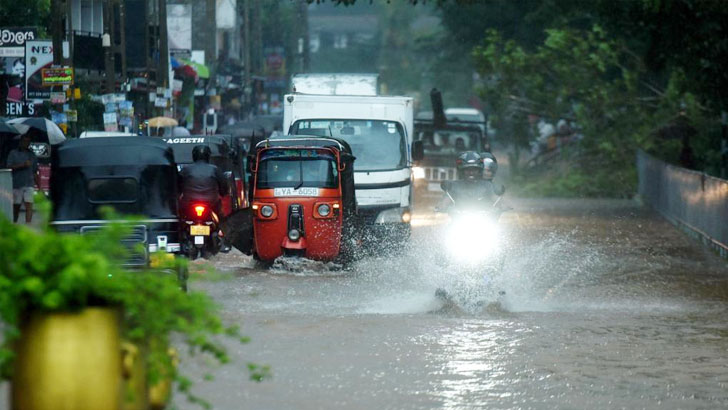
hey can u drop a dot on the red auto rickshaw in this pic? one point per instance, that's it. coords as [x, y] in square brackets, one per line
[303, 199]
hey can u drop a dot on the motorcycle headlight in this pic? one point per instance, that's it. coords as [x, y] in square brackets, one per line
[472, 239]
[418, 172]
[266, 211]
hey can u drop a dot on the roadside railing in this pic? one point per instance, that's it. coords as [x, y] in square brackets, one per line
[695, 202]
[6, 193]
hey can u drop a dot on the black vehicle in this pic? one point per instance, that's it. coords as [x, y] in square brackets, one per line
[133, 175]
[443, 138]
[227, 154]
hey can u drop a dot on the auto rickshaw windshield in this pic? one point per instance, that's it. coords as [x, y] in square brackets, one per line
[297, 168]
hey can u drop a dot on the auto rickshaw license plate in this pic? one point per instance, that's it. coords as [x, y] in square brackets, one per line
[196, 230]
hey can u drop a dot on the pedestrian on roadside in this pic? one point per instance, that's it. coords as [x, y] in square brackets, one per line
[24, 164]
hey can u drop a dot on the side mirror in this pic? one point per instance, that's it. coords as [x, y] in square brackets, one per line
[418, 151]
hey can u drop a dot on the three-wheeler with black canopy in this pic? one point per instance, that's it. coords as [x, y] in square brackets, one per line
[303, 200]
[135, 176]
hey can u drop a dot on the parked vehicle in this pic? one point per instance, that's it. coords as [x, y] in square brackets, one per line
[303, 200]
[140, 179]
[380, 132]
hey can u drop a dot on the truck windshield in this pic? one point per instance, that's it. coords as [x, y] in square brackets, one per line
[377, 145]
[297, 168]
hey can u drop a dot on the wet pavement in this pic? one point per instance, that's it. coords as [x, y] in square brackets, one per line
[606, 306]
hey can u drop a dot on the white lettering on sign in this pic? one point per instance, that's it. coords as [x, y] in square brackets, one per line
[17, 37]
[296, 192]
[192, 140]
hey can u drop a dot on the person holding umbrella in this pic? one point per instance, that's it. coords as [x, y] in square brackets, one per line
[24, 164]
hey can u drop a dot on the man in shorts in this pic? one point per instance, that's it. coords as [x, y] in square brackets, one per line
[24, 164]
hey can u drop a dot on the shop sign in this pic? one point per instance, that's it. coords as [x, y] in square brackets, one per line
[38, 55]
[57, 76]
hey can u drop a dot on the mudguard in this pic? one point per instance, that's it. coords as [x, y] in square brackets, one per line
[238, 229]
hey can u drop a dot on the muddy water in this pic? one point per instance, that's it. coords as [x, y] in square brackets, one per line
[606, 306]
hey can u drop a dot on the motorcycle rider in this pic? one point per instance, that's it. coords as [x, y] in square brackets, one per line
[474, 184]
[202, 182]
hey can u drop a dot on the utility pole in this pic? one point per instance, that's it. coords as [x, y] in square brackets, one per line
[247, 87]
[163, 70]
[211, 43]
[108, 44]
[303, 18]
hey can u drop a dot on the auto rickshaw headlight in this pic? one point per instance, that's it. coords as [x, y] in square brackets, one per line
[324, 210]
[294, 235]
[266, 211]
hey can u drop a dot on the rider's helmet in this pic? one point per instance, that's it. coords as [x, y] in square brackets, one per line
[490, 165]
[201, 152]
[469, 166]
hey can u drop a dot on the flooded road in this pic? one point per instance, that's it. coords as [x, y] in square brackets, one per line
[606, 306]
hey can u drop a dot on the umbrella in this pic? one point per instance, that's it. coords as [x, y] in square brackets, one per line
[6, 128]
[201, 69]
[39, 125]
[159, 122]
[180, 132]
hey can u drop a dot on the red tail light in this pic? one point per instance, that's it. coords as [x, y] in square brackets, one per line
[199, 210]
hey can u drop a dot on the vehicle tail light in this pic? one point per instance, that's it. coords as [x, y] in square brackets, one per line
[199, 210]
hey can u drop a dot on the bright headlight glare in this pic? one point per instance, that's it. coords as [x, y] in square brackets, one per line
[472, 240]
[266, 211]
[418, 172]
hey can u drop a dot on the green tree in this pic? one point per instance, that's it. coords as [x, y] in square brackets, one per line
[26, 13]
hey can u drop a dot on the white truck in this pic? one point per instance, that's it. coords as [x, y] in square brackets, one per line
[380, 132]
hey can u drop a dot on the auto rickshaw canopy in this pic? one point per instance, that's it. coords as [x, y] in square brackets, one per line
[134, 175]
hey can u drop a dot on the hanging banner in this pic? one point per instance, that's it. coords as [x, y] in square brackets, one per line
[12, 63]
[38, 55]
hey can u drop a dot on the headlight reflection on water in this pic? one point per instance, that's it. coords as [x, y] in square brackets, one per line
[477, 356]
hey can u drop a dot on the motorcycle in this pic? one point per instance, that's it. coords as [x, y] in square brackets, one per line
[473, 251]
[200, 231]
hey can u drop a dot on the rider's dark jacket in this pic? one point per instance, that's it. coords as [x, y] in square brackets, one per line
[201, 181]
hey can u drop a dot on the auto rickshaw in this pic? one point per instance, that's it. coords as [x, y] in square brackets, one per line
[223, 156]
[303, 201]
[133, 175]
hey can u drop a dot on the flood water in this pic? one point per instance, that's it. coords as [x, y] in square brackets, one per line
[606, 306]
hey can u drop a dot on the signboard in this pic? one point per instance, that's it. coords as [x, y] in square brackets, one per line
[38, 55]
[160, 102]
[12, 63]
[14, 109]
[72, 115]
[58, 98]
[57, 76]
[179, 27]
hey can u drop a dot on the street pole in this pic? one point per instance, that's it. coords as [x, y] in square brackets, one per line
[108, 45]
[724, 145]
[246, 49]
